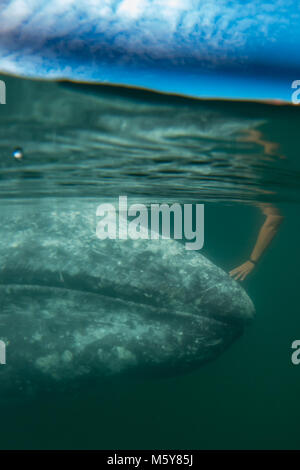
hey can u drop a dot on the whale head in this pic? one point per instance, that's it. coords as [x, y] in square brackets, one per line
[75, 308]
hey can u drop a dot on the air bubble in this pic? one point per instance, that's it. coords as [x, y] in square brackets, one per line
[18, 154]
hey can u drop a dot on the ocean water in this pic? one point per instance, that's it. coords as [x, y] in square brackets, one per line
[96, 142]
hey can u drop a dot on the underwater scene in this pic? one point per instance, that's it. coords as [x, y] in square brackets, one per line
[114, 335]
[149, 206]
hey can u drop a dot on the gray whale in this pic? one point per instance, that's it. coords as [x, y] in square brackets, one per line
[75, 309]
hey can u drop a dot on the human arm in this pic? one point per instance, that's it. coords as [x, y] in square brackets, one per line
[265, 236]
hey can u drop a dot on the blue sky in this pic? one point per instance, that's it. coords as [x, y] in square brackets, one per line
[216, 48]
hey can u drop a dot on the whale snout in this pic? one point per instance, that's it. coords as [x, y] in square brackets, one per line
[226, 301]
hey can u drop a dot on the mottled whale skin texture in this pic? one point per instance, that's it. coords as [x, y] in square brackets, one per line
[76, 309]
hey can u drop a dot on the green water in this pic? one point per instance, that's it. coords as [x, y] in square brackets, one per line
[248, 398]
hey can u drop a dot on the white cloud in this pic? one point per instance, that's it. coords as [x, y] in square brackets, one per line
[133, 9]
[166, 29]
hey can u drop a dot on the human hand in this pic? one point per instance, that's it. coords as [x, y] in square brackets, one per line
[241, 272]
